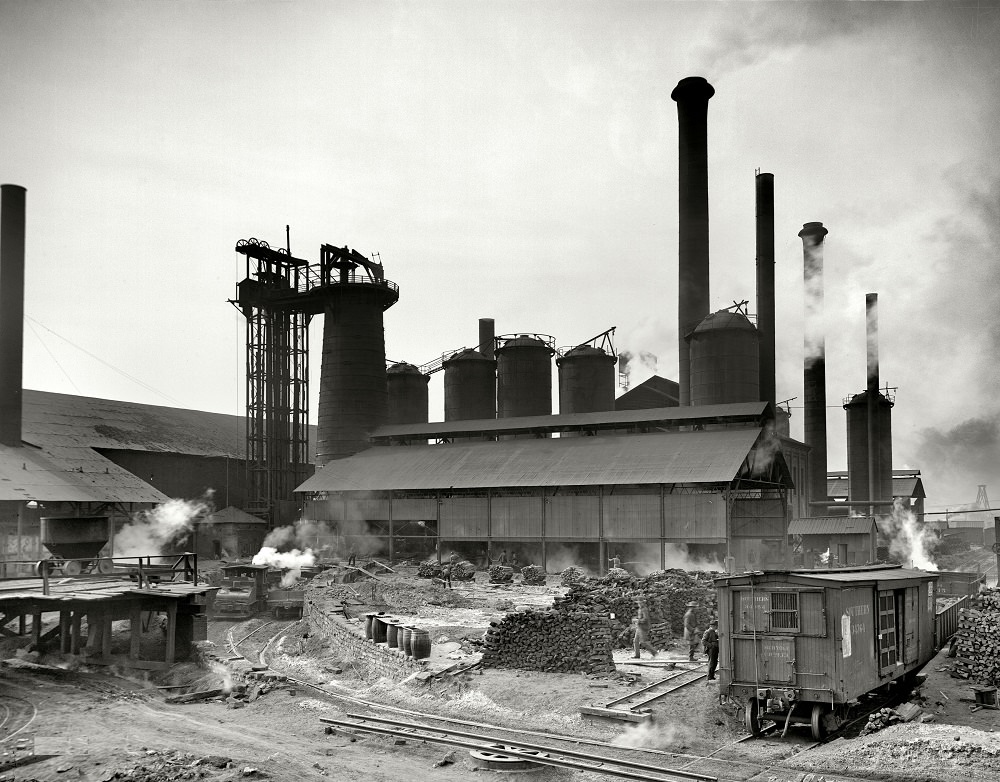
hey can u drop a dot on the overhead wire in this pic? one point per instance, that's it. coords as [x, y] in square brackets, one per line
[111, 366]
[52, 355]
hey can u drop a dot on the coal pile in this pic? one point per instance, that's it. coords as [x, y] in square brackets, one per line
[501, 574]
[667, 594]
[429, 570]
[532, 575]
[572, 575]
[977, 642]
[554, 641]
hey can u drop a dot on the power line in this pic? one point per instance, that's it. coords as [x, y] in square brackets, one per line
[121, 372]
[53, 357]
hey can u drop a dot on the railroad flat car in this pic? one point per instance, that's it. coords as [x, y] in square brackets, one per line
[802, 646]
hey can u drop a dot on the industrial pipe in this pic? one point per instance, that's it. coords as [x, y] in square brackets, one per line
[814, 369]
[692, 95]
[871, 336]
[12, 210]
[487, 337]
[765, 286]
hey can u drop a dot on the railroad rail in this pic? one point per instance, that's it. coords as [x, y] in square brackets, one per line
[630, 707]
[535, 753]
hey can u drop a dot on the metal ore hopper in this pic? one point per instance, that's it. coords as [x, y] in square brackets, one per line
[76, 543]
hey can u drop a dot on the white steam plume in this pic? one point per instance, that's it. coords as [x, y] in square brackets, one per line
[290, 561]
[151, 532]
[678, 556]
[654, 736]
[908, 540]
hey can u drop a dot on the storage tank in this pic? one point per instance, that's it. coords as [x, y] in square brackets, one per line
[353, 398]
[587, 377]
[857, 448]
[724, 361]
[524, 375]
[470, 386]
[407, 388]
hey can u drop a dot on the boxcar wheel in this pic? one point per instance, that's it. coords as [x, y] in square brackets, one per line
[751, 717]
[818, 730]
[72, 567]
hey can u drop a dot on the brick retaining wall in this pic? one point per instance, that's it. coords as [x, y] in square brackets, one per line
[347, 637]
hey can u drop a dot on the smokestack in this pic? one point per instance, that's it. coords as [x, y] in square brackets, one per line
[487, 333]
[765, 286]
[12, 198]
[871, 333]
[692, 95]
[814, 371]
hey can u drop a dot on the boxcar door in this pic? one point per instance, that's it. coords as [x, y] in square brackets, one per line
[887, 633]
[911, 615]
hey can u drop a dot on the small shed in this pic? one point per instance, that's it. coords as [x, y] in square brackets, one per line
[229, 533]
[833, 541]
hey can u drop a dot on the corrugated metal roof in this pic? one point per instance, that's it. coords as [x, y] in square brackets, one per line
[907, 485]
[831, 525]
[68, 474]
[229, 515]
[749, 412]
[878, 573]
[64, 419]
[672, 457]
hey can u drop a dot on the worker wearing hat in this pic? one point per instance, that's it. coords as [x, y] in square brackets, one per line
[691, 629]
[642, 624]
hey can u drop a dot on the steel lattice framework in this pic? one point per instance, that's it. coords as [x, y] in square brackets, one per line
[277, 379]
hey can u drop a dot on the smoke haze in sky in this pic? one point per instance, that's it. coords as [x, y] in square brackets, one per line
[516, 161]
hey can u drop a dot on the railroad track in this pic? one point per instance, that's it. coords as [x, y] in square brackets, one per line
[658, 689]
[503, 748]
[16, 714]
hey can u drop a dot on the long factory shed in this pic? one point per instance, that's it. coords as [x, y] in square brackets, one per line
[709, 481]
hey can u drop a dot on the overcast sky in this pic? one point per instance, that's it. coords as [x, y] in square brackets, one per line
[513, 160]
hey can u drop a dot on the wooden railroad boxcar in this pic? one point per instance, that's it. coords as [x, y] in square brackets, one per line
[801, 646]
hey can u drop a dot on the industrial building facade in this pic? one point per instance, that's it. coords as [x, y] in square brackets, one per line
[701, 484]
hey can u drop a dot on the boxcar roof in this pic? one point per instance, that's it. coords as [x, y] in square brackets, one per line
[868, 573]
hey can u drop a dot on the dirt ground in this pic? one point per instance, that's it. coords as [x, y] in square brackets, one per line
[94, 725]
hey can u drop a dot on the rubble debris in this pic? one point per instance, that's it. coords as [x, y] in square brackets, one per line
[447, 760]
[880, 719]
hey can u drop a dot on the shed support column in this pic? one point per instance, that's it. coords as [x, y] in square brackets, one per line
[392, 536]
[135, 630]
[75, 620]
[544, 536]
[171, 631]
[95, 618]
[602, 561]
[64, 625]
[106, 627]
[36, 629]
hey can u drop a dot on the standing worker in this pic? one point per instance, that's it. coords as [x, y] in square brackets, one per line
[615, 561]
[691, 630]
[710, 640]
[446, 574]
[352, 557]
[641, 640]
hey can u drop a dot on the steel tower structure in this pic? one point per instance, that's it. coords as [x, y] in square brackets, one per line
[278, 298]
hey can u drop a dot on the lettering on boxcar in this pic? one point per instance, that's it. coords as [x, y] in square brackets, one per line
[845, 632]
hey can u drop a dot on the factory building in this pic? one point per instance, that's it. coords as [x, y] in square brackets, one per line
[651, 486]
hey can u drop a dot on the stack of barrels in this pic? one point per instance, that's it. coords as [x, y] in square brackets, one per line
[413, 642]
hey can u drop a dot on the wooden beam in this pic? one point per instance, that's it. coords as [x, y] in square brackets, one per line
[36, 629]
[171, 632]
[77, 618]
[64, 639]
[135, 631]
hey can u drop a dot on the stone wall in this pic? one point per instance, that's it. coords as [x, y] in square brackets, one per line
[347, 637]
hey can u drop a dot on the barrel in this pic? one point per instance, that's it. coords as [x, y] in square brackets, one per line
[404, 643]
[420, 644]
[378, 628]
[391, 633]
[369, 621]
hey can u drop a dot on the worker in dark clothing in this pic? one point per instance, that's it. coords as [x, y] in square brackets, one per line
[691, 630]
[642, 624]
[446, 574]
[352, 558]
[710, 641]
